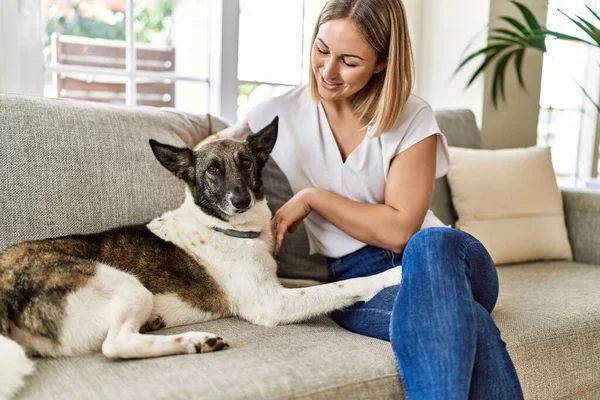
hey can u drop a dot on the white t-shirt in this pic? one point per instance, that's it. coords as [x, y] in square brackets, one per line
[308, 155]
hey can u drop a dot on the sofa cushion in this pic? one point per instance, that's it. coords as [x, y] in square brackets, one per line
[509, 199]
[316, 360]
[77, 167]
[549, 315]
[548, 312]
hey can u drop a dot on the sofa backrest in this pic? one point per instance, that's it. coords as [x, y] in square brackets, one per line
[79, 167]
[461, 130]
[71, 167]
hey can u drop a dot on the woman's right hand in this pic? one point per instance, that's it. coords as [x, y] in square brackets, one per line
[210, 138]
[239, 132]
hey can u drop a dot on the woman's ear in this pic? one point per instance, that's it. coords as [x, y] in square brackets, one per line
[380, 67]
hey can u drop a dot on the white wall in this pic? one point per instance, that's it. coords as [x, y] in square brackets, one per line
[445, 30]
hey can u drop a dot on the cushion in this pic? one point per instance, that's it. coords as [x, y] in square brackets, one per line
[313, 360]
[510, 201]
[549, 316]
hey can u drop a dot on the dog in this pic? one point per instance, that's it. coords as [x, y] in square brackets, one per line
[210, 258]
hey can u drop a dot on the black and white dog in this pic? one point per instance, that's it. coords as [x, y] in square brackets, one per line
[209, 258]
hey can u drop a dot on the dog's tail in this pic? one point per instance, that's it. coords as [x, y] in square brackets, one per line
[14, 363]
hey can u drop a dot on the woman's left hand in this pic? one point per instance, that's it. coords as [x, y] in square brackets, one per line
[289, 216]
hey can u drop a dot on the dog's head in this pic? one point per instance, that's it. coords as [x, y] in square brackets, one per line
[224, 176]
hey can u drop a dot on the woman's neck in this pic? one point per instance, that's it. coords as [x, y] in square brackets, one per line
[340, 108]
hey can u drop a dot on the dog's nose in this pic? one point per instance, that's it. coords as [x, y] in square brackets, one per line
[240, 202]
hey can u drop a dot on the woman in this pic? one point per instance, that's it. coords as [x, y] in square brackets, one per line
[362, 155]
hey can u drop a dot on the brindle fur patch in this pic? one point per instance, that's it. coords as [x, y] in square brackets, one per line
[37, 276]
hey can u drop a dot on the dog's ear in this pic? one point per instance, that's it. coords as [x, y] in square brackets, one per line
[178, 160]
[262, 142]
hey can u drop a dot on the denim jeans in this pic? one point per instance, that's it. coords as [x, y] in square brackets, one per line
[438, 321]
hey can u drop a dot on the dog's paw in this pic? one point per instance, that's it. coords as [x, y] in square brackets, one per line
[202, 342]
[385, 279]
[154, 323]
[391, 277]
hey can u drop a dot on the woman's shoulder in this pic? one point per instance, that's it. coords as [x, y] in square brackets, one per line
[417, 117]
[415, 111]
[287, 106]
[296, 96]
[414, 106]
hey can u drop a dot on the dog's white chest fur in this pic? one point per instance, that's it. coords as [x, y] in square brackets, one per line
[238, 265]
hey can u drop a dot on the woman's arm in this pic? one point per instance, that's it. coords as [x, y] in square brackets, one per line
[408, 194]
[238, 131]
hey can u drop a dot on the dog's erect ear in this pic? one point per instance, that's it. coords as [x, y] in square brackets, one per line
[262, 142]
[178, 160]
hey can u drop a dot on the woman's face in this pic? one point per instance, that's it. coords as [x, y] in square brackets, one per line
[343, 62]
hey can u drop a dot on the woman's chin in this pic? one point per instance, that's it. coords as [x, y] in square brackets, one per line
[328, 94]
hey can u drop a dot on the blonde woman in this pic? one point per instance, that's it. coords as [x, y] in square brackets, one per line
[361, 154]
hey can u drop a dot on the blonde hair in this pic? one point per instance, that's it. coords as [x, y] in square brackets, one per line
[384, 26]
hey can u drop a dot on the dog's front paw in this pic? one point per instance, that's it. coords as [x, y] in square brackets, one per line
[202, 342]
[391, 277]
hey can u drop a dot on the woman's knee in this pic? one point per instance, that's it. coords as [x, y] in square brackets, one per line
[436, 246]
[443, 251]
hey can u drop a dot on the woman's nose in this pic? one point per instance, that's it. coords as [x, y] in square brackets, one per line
[330, 69]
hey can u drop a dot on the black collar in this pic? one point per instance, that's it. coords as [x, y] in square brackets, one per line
[238, 234]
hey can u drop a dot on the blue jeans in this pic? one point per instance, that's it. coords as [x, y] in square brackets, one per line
[446, 344]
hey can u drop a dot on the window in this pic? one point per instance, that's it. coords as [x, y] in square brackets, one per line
[273, 51]
[219, 56]
[567, 120]
[89, 48]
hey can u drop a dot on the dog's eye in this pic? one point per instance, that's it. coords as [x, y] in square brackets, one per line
[213, 170]
[246, 163]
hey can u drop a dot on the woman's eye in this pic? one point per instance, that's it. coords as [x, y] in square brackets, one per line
[213, 170]
[349, 65]
[321, 51]
[246, 163]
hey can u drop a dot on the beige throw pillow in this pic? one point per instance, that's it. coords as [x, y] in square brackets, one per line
[509, 200]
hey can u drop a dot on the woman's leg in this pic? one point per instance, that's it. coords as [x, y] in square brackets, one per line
[446, 343]
[373, 317]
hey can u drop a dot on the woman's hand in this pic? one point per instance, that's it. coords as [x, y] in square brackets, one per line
[289, 216]
[210, 138]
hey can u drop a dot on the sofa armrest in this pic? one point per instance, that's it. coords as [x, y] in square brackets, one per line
[582, 213]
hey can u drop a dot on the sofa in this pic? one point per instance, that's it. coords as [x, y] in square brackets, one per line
[75, 167]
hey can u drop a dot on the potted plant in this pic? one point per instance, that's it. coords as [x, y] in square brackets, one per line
[509, 44]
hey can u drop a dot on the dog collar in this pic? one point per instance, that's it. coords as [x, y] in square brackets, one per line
[238, 234]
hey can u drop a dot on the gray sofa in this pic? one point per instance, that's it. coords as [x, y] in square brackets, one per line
[70, 167]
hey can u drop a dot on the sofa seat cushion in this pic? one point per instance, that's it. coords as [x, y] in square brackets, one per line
[316, 360]
[549, 315]
[548, 312]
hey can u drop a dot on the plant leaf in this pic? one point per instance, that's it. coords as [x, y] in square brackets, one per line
[515, 23]
[593, 31]
[519, 67]
[594, 13]
[528, 15]
[507, 40]
[562, 36]
[499, 73]
[488, 49]
[512, 34]
[484, 64]
[590, 98]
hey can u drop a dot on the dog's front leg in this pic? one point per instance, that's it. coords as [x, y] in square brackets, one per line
[286, 306]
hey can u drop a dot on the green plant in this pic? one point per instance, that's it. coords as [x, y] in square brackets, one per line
[151, 21]
[506, 44]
